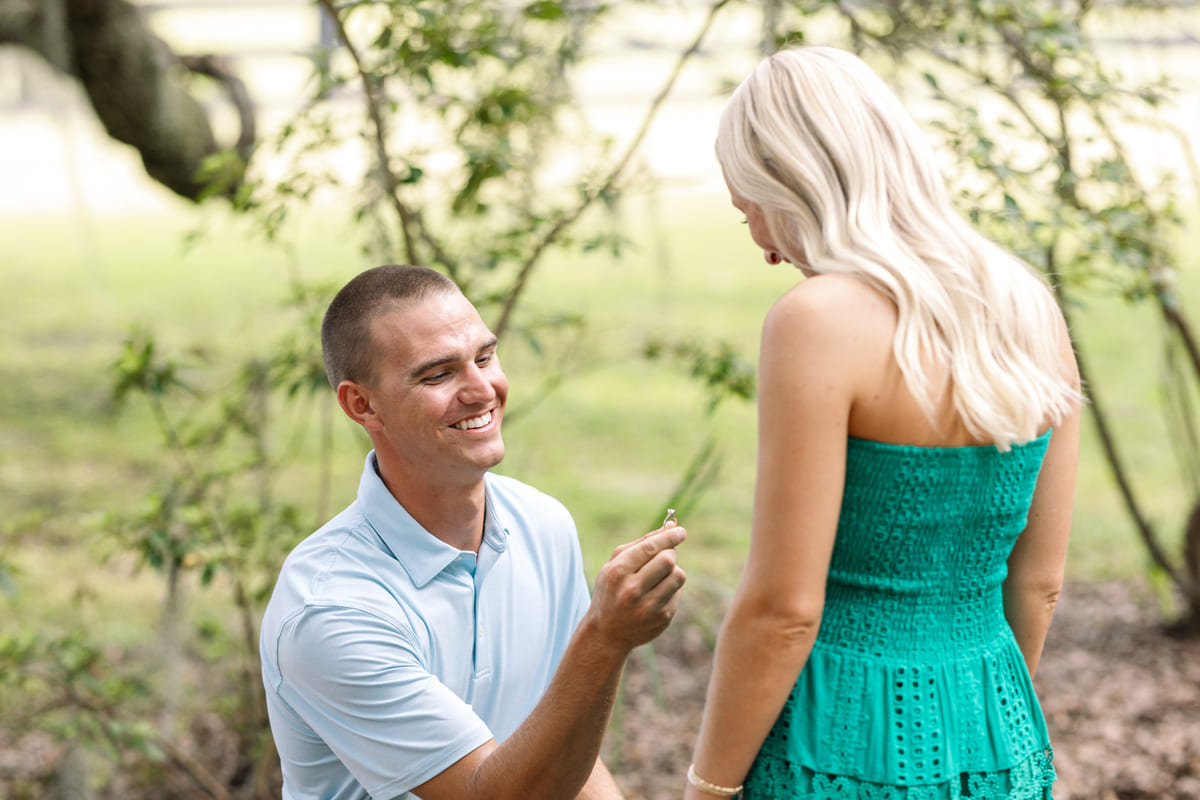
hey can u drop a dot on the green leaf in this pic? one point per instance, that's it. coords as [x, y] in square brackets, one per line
[544, 10]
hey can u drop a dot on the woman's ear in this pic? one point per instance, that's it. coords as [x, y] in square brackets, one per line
[355, 400]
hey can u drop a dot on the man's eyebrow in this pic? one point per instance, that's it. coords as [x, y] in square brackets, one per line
[438, 361]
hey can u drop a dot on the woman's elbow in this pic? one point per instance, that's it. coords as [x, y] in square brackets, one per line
[1039, 593]
[800, 628]
[787, 624]
[1048, 597]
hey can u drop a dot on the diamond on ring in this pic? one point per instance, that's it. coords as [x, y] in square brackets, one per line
[670, 517]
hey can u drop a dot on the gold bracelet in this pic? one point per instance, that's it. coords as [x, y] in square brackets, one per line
[711, 788]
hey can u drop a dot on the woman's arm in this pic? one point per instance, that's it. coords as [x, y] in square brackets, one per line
[807, 373]
[1035, 566]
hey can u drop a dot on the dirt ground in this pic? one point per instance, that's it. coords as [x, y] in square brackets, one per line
[1122, 701]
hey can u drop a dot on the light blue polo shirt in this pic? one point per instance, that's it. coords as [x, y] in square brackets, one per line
[388, 655]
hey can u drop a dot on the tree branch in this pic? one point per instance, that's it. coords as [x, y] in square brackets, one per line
[127, 73]
[614, 175]
[411, 226]
[217, 68]
[1120, 474]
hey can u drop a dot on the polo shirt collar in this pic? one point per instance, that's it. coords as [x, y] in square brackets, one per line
[422, 555]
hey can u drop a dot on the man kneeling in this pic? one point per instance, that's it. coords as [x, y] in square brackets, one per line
[435, 639]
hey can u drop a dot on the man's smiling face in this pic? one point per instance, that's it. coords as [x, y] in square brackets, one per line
[438, 391]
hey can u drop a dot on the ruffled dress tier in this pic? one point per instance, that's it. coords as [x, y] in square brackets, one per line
[915, 688]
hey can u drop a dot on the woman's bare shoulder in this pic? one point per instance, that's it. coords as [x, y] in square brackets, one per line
[841, 308]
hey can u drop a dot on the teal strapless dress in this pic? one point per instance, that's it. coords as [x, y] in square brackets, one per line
[915, 688]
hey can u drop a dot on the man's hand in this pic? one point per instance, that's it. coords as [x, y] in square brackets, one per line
[637, 591]
[558, 745]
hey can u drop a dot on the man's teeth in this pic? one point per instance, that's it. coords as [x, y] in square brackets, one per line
[474, 422]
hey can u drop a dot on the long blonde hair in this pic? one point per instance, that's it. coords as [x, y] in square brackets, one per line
[849, 184]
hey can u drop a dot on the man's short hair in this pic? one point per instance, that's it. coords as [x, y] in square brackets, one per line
[346, 342]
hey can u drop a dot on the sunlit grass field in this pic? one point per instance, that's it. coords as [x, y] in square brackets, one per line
[611, 440]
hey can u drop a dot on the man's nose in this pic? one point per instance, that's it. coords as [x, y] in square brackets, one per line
[477, 386]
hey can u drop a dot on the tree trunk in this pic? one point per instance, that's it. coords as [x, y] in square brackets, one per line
[136, 84]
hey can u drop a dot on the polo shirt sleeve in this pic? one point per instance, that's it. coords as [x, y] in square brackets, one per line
[359, 683]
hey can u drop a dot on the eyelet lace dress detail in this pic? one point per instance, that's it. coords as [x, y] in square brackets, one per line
[777, 778]
[915, 688]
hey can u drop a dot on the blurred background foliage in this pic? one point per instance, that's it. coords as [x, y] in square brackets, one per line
[171, 435]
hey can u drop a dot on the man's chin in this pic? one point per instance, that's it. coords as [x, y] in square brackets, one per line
[493, 456]
[498, 458]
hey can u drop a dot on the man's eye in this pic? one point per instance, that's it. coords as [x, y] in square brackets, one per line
[485, 358]
[437, 377]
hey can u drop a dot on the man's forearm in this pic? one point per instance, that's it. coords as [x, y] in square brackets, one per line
[555, 751]
[600, 785]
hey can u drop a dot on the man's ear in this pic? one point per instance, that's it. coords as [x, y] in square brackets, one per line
[355, 400]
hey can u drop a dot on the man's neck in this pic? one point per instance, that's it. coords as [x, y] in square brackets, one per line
[452, 513]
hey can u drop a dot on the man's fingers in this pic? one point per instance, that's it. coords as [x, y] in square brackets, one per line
[678, 579]
[638, 552]
[621, 548]
[636, 605]
[654, 571]
[666, 590]
[662, 600]
[661, 541]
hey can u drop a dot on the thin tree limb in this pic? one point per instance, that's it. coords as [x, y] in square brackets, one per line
[1116, 464]
[218, 68]
[410, 221]
[614, 175]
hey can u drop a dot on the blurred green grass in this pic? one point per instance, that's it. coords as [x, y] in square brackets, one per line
[611, 441]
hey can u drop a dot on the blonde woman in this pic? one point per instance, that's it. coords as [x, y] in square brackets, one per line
[918, 434]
